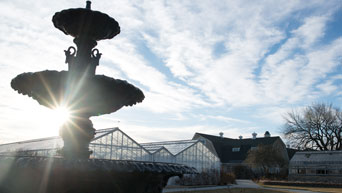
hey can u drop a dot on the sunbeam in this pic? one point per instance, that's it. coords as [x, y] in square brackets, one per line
[61, 115]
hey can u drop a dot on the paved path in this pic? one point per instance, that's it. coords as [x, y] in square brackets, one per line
[245, 184]
[292, 190]
[194, 189]
[239, 184]
[251, 184]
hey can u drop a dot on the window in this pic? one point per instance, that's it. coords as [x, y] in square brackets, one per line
[320, 171]
[301, 171]
[203, 141]
[331, 171]
[253, 148]
[311, 171]
[236, 149]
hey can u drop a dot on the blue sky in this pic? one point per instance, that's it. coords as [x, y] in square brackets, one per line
[204, 66]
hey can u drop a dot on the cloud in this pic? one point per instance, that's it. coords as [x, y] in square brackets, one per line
[172, 133]
[273, 114]
[152, 134]
[288, 71]
[225, 118]
[272, 55]
[162, 95]
[186, 46]
[327, 87]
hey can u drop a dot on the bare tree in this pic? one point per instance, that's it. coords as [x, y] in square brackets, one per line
[265, 157]
[317, 127]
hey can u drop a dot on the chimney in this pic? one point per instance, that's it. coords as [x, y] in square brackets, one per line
[240, 137]
[221, 134]
[254, 135]
[267, 134]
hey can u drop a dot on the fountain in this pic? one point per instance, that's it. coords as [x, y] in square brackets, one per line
[85, 94]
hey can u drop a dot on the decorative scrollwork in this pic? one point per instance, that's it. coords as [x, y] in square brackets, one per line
[96, 55]
[70, 54]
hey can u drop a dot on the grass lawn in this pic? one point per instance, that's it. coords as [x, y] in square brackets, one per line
[237, 190]
[314, 189]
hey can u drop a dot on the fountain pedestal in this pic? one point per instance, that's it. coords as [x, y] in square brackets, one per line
[77, 134]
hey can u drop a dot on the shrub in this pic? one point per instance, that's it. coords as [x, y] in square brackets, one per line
[211, 177]
[243, 172]
[227, 178]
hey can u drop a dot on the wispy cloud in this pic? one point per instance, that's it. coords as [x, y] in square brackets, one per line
[205, 58]
[225, 119]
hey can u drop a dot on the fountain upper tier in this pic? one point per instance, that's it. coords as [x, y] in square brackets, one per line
[85, 22]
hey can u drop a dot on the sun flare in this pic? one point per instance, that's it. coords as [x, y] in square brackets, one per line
[61, 115]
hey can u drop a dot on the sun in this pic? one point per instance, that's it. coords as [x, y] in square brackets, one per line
[51, 119]
[61, 115]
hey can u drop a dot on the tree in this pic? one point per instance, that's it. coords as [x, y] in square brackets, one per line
[265, 157]
[317, 127]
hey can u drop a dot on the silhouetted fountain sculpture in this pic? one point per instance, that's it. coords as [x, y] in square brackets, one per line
[85, 94]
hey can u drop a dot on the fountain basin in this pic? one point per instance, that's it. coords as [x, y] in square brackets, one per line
[59, 175]
[88, 95]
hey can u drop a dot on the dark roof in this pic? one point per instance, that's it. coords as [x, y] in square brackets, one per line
[291, 152]
[223, 146]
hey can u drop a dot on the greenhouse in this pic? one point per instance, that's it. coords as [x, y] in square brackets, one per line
[114, 144]
[189, 152]
[319, 166]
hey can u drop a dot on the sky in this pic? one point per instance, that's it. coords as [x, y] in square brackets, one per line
[206, 66]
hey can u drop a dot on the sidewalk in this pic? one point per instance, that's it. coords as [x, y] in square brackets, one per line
[195, 189]
[239, 184]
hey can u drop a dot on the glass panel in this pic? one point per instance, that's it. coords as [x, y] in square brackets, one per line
[114, 144]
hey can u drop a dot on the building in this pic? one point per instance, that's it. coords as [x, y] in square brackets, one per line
[233, 152]
[114, 144]
[291, 152]
[320, 166]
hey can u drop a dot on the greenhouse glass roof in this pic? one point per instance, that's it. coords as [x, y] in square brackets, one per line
[53, 143]
[102, 132]
[317, 157]
[35, 144]
[153, 149]
[175, 147]
[114, 144]
[46, 143]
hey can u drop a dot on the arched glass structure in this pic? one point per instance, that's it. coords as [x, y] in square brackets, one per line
[114, 144]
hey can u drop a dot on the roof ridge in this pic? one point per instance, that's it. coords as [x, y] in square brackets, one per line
[55, 137]
[319, 152]
[31, 140]
[175, 141]
[235, 138]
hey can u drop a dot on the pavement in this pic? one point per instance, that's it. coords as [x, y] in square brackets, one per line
[194, 189]
[245, 184]
[239, 184]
